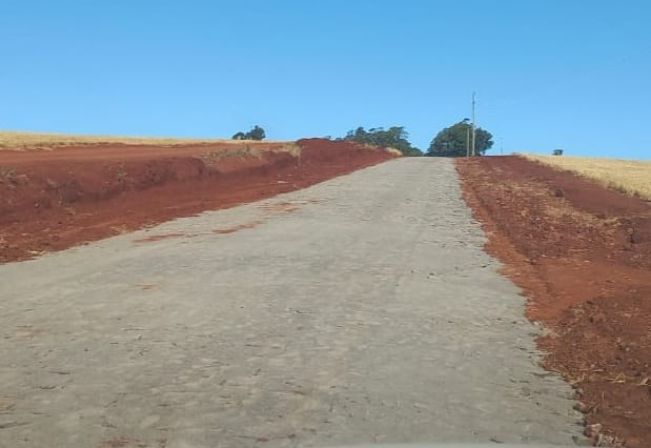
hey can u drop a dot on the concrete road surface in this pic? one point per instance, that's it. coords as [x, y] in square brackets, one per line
[360, 310]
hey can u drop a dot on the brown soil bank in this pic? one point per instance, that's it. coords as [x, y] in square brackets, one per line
[52, 200]
[582, 253]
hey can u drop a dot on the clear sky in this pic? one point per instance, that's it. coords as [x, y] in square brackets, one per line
[572, 74]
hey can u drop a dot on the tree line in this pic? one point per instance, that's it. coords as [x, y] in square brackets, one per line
[395, 137]
[452, 141]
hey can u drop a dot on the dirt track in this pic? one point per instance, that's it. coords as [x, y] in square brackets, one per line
[359, 310]
[583, 254]
[52, 200]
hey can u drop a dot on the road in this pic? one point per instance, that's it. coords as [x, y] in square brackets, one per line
[360, 310]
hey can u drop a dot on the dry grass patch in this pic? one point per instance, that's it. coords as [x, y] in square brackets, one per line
[394, 151]
[632, 177]
[246, 150]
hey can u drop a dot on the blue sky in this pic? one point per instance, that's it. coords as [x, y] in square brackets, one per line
[573, 74]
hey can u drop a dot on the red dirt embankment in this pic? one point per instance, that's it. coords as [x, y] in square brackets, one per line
[582, 254]
[52, 200]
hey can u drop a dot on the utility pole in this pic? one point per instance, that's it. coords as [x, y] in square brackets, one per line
[466, 122]
[474, 130]
[467, 140]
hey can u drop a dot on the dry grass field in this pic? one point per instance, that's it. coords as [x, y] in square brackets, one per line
[629, 176]
[27, 140]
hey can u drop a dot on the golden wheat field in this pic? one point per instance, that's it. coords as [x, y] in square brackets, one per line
[629, 176]
[29, 140]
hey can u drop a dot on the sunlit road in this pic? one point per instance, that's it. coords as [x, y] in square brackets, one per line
[362, 309]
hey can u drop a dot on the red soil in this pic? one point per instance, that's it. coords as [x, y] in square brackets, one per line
[582, 254]
[52, 200]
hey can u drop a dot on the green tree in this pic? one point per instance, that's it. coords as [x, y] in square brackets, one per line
[395, 137]
[453, 141]
[256, 133]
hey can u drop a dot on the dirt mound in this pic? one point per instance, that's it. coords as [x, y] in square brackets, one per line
[582, 253]
[52, 200]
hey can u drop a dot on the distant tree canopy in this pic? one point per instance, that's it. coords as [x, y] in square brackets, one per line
[452, 141]
[394, 137]
[256, 133]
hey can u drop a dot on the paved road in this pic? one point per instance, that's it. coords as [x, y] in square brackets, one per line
[359, 310]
